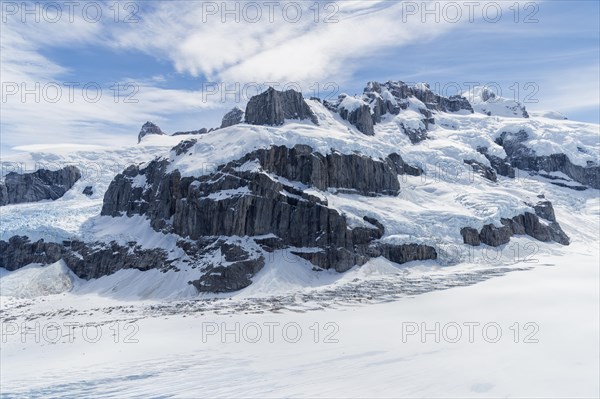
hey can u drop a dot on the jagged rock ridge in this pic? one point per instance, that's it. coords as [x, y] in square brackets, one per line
[253, 197]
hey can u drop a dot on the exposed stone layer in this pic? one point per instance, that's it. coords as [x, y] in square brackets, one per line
[273, 107]
[525, 224]
[262, 194]
[40, 185]
[233, 117]
[525, 158]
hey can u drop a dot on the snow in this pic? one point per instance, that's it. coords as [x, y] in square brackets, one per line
[486, 101]
[349, 103]
[360, 351]
[224, 194]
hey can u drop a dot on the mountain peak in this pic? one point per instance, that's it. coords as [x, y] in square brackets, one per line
[149, 128]
[273, 107]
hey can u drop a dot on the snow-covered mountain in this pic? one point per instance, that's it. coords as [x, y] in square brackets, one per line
[361, 247]
[398, 173]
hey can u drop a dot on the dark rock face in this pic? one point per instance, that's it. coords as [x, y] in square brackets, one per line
[392, 97]
[241, 266]
[273, 107]
[147, 129]
[361, 118]
[88, 190]
[531, 225]
[405, 252]
[495, 236]
[87, 261]
[39, 185]
[352, 172]
[470, 236]
[545, 210]
[501, 166]
[416, 135]
[527, 223]
[482, 169]
[439, 103]
[184, 146]
[525, 158]
[381, 106]
[241, 200]
[233, 117]
[402, 168]
[401, 91]
[200, 131]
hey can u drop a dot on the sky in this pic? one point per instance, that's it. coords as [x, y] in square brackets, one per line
[93, 72]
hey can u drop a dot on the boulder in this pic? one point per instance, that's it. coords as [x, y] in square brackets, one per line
[88, 190]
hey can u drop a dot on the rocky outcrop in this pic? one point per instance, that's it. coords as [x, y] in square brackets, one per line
[392, 97]
[436, 102]
[273, 107]
[500, 165]
[482, 169]
[415, 134]
[235, 271]
[351, 172]
[470, 236]
[149, 128]
[88, 190]
[487, 102]
[360, 117]
[495, 236]
[184, 146]
[87, 261]
[200, 131]
[233, 117]
[40, 185]
[522, 157]
[525, 224]
[405, 252]
[262, 194]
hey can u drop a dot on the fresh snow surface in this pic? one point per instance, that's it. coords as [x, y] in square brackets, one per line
[362, 350]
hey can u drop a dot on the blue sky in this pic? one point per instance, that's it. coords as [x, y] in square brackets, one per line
[177, 48]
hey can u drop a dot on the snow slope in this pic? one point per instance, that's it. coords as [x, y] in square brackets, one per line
[360, 351]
